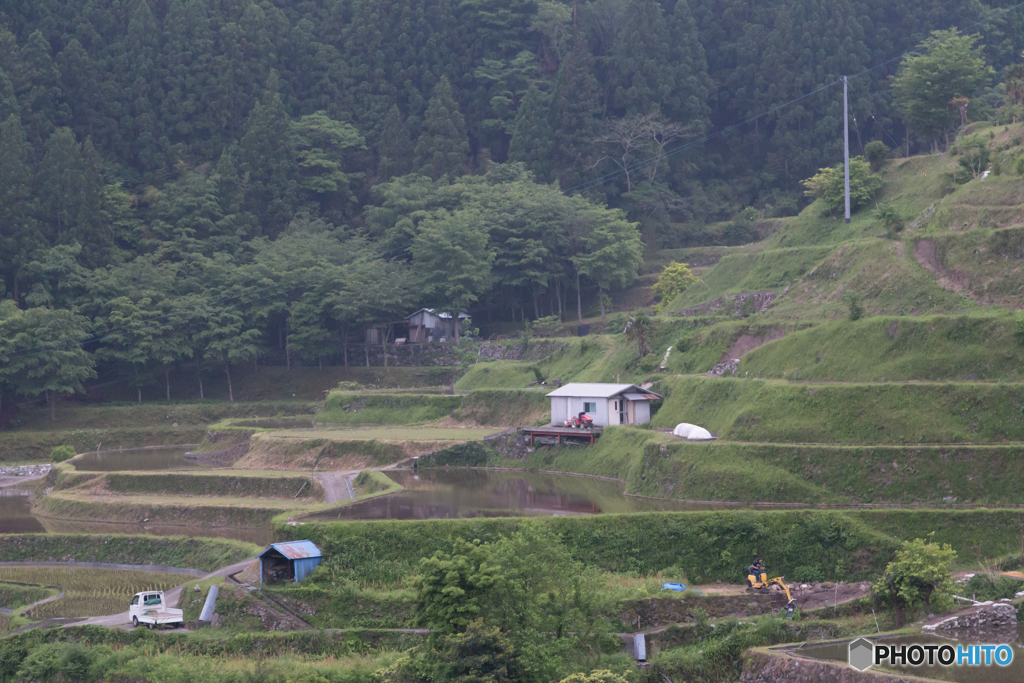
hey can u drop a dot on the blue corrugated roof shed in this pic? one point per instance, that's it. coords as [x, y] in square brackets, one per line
[295, 550]
[303, 555]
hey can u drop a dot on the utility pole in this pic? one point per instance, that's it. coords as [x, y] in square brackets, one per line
[846, 148]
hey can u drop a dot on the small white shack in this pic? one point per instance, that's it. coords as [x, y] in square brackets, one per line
[608, 404]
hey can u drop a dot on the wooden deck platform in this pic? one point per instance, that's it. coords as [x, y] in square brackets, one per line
[562, 432]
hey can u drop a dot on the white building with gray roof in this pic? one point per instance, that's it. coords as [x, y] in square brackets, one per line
[608, 404]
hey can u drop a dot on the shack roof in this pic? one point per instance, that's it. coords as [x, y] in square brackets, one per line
[294, 550]
[586, 390]
[433, 311]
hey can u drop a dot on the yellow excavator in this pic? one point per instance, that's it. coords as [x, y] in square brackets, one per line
[758, 582]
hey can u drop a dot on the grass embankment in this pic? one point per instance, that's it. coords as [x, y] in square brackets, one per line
[489, 408]
[212, 656]
[344, 451]
[240, 610]
[135, 415]
[89, 591]
[205, 554]
[982, 263]
[87, 428]
[751, 271]
[656, 464]
[884, 275]
[20, 594]
[343, 407]
[958, 348]
[165, 509]
[779, 412]
[703, 546]
[272, 383]
[21, 446]
[697, 344]
[964, 234]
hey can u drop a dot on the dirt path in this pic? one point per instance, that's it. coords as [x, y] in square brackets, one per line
[335, 488]
[746, 343]
[122, 620]
[927, 255]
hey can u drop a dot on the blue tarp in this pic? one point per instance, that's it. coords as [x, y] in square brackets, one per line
[677, 587]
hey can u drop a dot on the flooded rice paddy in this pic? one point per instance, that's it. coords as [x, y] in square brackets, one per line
[143, 459]
[1014, 673]
[455, 493]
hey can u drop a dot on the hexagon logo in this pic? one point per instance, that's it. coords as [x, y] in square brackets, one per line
[862, 654]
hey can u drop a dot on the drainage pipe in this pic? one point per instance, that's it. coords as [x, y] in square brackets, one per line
[210, 604]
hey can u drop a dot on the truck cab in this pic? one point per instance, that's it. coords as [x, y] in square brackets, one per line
[150, 608]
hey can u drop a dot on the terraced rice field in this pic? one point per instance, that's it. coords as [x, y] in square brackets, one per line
[90, 592]
[13, 594]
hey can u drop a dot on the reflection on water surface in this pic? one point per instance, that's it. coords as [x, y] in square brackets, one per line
[1014, 673]
[441, 494]
[142, 459]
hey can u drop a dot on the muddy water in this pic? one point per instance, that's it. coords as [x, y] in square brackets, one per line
[15, 513]
[440, 494]
[142, 459]
[1014, 673]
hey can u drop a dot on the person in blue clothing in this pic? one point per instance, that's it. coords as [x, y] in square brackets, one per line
[757, 570]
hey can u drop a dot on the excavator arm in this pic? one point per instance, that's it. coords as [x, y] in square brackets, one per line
[783, 585]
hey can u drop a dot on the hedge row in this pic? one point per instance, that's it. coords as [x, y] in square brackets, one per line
[806, 545]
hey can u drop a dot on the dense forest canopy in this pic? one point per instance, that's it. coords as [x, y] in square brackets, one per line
[201, 162]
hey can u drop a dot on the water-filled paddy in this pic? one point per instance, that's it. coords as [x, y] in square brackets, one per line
[1014, 673]
[142, 459]
[444, 493]
[15, 513]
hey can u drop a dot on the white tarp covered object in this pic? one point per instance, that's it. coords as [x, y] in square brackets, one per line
[692, 432]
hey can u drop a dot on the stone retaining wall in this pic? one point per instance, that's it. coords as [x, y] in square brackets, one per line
[729, 304]
[987, 619]
[655, 612]
[764, 667]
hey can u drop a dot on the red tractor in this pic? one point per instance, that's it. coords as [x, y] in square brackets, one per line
[581, 421]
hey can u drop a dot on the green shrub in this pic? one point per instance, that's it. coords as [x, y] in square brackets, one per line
[855, 306]
[828, 185]
[876, 153]
[62, 453]
[890, 218]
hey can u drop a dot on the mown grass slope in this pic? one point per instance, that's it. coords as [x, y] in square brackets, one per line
[957, 348]
[771, 411]
[205, 554]
[656, 464]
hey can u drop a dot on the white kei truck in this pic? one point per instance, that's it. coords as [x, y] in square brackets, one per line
[150, 609]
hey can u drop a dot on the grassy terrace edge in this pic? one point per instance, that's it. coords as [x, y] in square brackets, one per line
[805, 545]
[204, 554]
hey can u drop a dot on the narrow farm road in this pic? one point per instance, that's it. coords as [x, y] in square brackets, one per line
[335, 489]
[122, 620]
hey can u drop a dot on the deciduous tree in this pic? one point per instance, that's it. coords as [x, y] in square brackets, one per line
[948, 65]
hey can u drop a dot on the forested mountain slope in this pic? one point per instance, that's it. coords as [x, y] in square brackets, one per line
[225, 180]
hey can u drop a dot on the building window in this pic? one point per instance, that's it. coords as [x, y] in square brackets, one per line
[590, 407]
